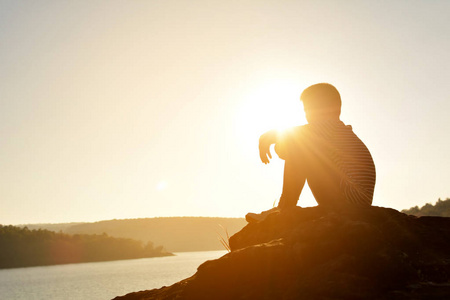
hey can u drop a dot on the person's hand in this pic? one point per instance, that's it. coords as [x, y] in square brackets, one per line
[265, 141]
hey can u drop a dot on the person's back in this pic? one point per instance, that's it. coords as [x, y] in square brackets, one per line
[338, 166]
[325, 152]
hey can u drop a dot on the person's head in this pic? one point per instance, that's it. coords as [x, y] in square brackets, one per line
[321, 102]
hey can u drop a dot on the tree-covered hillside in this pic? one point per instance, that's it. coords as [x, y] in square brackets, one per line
[21, 247]
[441, 209]
[176, 234]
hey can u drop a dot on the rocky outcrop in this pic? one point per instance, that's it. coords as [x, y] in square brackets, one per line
[314, 253]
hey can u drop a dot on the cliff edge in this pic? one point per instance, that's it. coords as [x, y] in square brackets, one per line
[314, 253]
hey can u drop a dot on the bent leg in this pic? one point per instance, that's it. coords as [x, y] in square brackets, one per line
[293, 182]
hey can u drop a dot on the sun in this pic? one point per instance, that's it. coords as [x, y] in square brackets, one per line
[162, 185]
[273, 105]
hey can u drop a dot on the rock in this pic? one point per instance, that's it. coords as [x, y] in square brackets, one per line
[314, 253]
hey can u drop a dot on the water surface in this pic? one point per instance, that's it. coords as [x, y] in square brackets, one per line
[100, 280]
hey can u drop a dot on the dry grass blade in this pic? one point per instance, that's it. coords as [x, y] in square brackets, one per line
[224, 241]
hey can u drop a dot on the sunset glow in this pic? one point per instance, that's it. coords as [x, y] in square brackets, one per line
[134, 109]
[162, 185]
[272, 105]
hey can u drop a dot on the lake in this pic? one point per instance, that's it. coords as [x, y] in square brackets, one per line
[100, 280]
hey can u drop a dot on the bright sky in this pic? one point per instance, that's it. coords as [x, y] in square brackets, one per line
[128, 109]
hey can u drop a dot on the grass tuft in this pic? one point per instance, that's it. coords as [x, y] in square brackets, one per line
[224, 241]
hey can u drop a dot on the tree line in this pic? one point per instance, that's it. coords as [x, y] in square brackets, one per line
[177, 234]
[21, 247]
[440, 209]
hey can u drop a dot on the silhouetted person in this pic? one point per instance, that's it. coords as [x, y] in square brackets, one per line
[325, 152]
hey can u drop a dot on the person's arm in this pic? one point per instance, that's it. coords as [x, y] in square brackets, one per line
[265, 141]
[288, 141]
[283, 141]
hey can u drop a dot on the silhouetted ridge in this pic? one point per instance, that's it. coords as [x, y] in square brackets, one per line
[441, 208]
[312, 253]
[21, 247]
[177, 234]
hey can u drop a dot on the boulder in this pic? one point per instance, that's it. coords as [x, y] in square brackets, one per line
[315, 253]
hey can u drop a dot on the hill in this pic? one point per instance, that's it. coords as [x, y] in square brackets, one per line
[313, 253]
[21, 247]
[56, 227]
[441, 208]
[176, 234]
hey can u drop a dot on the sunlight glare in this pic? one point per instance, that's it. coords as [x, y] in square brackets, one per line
[274, 105]
[162, 185]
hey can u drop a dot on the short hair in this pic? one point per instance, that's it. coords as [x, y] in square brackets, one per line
[322, 96]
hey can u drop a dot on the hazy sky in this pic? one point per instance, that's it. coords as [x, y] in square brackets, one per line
[127, 109]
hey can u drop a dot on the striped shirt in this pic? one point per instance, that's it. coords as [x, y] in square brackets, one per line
[332, 146]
